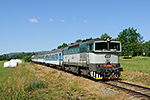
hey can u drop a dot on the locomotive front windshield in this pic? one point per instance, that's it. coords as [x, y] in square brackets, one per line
[101, 46]
[105, 46]
[114, 46]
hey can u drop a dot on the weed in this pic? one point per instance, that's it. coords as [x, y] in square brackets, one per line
[36, 84]
[36, 68]
[53, 72]
[73, 89]
[35, 98]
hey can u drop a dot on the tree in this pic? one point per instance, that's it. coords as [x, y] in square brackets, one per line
[104, 35]
[79, 40]
[131, 42]
[62, 46]
[16, 56]
[146, 48]
[4, 57]
[53, 49]
[27, 58]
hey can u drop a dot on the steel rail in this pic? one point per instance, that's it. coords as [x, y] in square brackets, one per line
[129, 90]
[134, 85]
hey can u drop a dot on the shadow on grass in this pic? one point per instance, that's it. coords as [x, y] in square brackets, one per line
[127, 57]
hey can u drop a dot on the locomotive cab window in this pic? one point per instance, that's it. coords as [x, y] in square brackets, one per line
[115, 46]
[90, 47]
[101, 46]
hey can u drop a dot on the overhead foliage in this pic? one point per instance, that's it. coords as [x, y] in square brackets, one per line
[131, 42]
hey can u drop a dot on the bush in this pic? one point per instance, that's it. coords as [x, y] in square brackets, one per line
[27, 58]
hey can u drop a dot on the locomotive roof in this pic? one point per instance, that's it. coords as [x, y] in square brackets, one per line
[87, 41]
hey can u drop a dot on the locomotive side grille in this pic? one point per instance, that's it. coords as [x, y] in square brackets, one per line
[83, 56]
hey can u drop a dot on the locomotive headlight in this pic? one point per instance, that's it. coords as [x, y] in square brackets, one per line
[100, 65]
[108, 39]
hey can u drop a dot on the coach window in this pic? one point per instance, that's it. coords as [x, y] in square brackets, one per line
[56, 56]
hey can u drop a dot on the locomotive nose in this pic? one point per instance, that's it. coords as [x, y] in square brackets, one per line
[107, 61]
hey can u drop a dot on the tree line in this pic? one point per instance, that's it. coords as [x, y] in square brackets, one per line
[23, 55]
[132, 45]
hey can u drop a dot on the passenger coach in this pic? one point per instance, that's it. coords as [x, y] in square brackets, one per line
[54, 57]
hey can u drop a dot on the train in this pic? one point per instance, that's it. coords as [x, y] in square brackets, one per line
[96, 58]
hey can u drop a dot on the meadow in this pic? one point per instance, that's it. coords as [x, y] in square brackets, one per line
[17, 83]
[136, 69]
[38, 82]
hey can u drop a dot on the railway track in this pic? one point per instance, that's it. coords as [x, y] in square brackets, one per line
[136, 90]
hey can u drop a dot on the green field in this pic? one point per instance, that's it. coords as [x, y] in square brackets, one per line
[136, 69]
[137, 64]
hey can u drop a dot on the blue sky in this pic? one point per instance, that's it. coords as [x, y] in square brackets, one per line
[36, 25]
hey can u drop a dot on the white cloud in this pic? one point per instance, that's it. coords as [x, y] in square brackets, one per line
[85, 21]
[73, 19]
[51, 20]
[62, 20]
[33, 20]
[38, 17]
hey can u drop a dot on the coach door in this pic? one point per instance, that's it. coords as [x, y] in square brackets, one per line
[59, 58]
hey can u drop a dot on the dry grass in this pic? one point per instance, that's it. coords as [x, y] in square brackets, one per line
[17, 83]
[62, 85]
[38, 82]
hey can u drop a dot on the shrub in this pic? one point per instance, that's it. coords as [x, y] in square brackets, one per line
[27, 58]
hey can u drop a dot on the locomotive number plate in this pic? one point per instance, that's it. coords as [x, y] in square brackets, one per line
[107, 55]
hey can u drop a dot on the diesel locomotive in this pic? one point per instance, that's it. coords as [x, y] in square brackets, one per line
[97, 58]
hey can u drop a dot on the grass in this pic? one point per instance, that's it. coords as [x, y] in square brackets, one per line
[36, 82]
[17, 83]
[61, 86]
[136, 69]
[137, 64]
